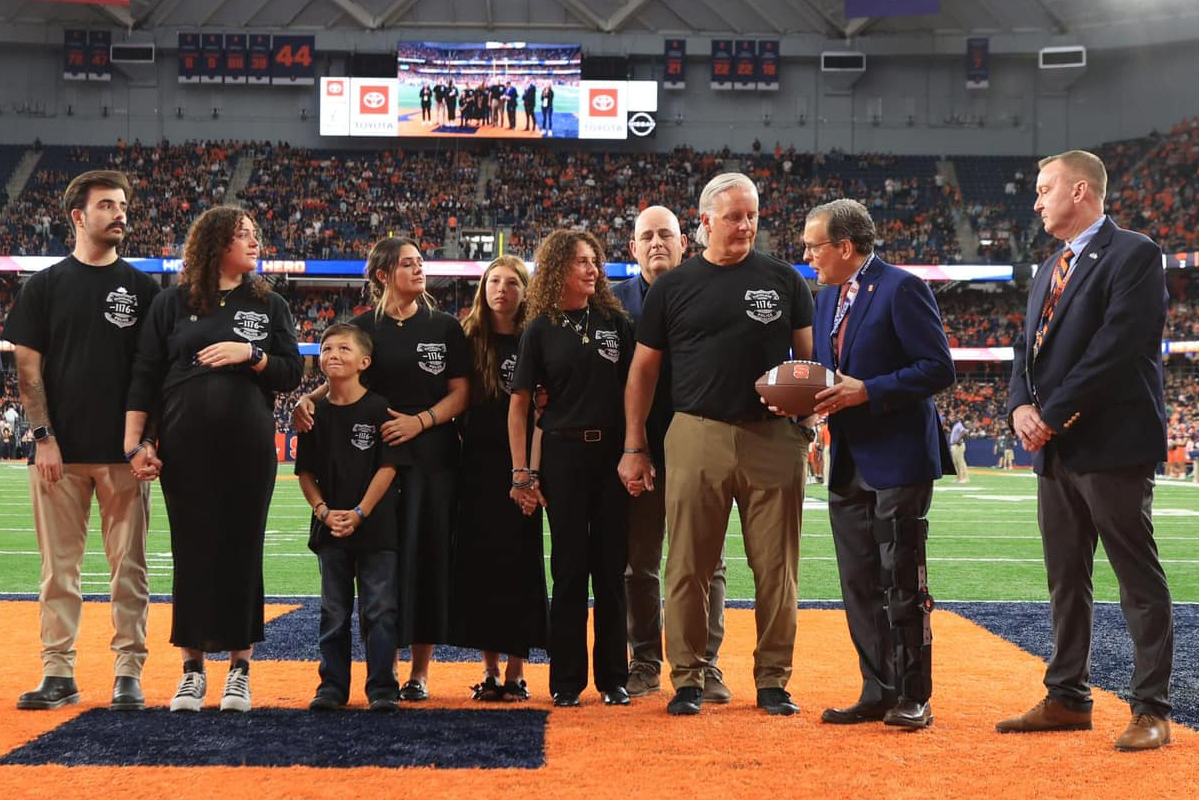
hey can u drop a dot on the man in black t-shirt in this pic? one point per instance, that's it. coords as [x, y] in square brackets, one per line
[75, 325]
[724, 317]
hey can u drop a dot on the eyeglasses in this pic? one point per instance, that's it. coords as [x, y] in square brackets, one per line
[812, 248]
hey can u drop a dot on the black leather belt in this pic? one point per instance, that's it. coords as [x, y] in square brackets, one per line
[588, 435]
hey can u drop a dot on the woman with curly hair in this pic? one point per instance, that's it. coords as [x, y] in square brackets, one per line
[211, 354]
[500, 578]
[578, 345]
[420, 364]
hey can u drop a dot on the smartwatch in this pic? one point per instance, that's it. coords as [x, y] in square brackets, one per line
[42, 432]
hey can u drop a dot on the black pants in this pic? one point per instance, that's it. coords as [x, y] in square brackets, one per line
[854, 510]
[1074, 511]
[376, 575]
[588, 509]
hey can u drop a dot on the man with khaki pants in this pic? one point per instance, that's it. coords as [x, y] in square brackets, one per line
[723, 318]
[74, 326]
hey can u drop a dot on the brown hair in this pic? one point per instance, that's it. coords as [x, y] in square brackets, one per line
[77, 191]
[1083, 165]
[207, 240]
[360, 337]
[385, 255]
[485, 381]
[554, 258]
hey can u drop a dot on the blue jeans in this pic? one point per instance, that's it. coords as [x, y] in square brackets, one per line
[376, 575]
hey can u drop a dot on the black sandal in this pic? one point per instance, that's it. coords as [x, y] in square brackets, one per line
[489, 691]
[514, 691]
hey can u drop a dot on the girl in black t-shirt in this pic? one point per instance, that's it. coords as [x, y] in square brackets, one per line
[500, 580]
[578, 345]
[420, 364]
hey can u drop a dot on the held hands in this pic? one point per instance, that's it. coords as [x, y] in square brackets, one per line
[849, 392]
[529, 497]
[225, 354]
[1034, 433]
[402, 427]
[637, 473]
[145, 464]
[302, 414]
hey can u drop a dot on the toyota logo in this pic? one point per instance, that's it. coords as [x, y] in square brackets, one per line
[374, 99]
[335, 88]
[604, 102]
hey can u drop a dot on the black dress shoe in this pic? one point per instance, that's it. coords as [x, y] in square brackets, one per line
[686, 701]
[776, 702]
[51, 693]
[615, 697]
[566, 699]
[909, 714]
[858, 713]
[127, 694]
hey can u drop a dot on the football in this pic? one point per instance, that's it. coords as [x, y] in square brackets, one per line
[792, 386]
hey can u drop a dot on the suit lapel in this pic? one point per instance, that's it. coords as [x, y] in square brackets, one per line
[1038, 292]
[862, 302]
[1092, 255]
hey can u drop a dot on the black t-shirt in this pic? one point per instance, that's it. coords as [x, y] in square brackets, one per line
[487, 420]
[174, 334]
[342, 452]
[84, 320]
[413, 362]
[723, 327]
[585, 382]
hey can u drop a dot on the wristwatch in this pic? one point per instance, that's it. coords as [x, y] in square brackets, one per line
[42, 432]
[256, 355]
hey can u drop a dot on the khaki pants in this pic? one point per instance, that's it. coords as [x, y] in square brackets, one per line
[60, 514]
[958, 452]
[761, 466]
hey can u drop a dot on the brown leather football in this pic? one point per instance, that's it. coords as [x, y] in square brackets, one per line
[792, 386]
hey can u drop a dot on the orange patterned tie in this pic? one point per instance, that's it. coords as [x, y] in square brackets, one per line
[1057, 283]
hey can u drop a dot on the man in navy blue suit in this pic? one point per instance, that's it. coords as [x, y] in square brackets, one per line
[880, 328]
[1086, 398]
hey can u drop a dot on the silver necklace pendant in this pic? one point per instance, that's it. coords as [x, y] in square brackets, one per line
[586, 339]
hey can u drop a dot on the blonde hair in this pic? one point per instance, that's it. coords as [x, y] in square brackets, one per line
[385, 257]
[1085, 165]
[478, 326]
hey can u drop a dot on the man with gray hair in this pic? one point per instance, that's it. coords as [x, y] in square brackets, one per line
[723, 318]
[879, 327]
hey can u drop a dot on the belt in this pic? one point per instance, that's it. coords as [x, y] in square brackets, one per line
[588, 435]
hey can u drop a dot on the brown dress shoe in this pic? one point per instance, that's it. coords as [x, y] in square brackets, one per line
[1048, 715]
[1145, 732]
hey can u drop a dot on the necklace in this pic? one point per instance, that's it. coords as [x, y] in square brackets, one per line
[580, 328]
[226, 294]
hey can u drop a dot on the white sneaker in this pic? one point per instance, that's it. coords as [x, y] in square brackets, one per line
[237, 690]
[189, 696]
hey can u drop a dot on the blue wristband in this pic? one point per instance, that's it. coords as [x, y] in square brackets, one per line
[358, 510]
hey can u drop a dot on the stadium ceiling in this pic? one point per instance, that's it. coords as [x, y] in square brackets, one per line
[820, 18]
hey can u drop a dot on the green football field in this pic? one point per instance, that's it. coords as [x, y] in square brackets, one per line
[983, 543]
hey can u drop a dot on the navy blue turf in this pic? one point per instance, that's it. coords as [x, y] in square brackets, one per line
[284, 737]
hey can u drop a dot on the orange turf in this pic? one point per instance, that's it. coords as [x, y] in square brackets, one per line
[621, 753]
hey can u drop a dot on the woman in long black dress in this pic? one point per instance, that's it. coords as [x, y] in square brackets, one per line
[213, 351]
[578, 344]
[420, 364]
[500, 580]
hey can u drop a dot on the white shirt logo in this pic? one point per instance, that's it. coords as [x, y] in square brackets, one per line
[251, 325]
[762, 305]
[120, 307]
[362, 436]
[432, 357]
[508, 370]
[609, 345]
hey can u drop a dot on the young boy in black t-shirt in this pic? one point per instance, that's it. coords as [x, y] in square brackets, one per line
[346, 472]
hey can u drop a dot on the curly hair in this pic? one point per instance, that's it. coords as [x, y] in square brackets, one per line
[485, 382]
[385, 256]
[207, 240]
[554, 258]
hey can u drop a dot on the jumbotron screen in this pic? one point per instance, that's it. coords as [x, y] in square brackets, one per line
[513, 90]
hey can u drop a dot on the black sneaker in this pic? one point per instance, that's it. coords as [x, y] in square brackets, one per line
[777, 702]
[686, 701]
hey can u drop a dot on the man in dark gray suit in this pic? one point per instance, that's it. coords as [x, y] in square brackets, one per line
[1086, 398]
[658, 246]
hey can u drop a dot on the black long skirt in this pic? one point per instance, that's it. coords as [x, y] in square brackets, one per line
[217, 444]
[499, 573]
[426, 525]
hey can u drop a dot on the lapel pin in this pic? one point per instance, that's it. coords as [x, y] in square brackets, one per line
[870, 287]
[1093, 255]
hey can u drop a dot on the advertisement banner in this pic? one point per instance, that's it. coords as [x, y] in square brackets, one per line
[373, 106]
[335, 107]
[603, 110]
